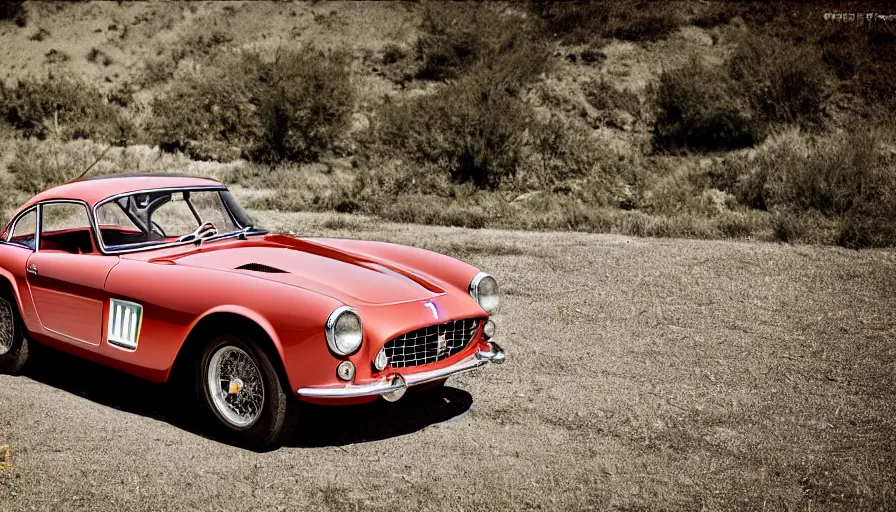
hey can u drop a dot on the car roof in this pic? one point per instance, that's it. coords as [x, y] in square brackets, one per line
[95, 189]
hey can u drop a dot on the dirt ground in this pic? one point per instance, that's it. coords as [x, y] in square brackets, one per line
[642, 374]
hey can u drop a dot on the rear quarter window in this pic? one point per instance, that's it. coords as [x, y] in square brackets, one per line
[24, 230]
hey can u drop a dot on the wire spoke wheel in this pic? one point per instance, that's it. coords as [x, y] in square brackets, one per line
[7, 326]
[235, 386]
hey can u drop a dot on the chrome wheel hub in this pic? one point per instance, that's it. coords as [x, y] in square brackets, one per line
[7, 326]
[235, 386]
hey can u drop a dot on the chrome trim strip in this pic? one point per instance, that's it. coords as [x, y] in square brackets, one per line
[399, 381]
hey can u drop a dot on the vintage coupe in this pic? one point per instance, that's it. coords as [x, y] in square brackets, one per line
[163, 275]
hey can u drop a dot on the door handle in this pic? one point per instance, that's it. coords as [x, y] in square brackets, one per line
[32, 269]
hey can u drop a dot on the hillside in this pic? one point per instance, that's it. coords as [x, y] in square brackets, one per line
[652, 119]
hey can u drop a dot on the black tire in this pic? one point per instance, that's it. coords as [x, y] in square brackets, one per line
[13, 359]
[279, 411]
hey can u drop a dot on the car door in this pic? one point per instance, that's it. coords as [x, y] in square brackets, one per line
[66, 274]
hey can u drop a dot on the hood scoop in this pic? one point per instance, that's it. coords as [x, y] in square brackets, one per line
[258, 267]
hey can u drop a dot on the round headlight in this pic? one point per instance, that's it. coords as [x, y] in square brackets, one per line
[484, 289]
[344, 331]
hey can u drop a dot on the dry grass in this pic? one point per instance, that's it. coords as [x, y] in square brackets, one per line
[642, 375]
[552, 135]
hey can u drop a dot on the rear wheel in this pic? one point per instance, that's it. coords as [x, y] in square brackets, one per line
[13, 343]
[242, 393]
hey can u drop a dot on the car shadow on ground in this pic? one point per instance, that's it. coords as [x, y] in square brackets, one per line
[337, 426]
[319, 426]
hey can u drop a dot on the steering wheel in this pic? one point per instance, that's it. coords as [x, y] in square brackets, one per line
[158, 229]
[205, 230]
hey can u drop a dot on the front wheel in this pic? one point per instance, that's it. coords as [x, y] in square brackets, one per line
[241, 392]
[13, 343]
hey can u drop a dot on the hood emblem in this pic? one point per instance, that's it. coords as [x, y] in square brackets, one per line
[432, 307]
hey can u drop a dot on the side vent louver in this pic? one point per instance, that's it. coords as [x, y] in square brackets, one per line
[258, 267]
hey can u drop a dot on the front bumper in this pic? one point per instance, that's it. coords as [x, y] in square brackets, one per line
[393, 387]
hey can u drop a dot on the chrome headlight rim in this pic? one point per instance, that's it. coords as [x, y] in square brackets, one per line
[330, 330]
[474, 290]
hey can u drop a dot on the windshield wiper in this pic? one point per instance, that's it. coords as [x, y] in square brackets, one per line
[242, 234]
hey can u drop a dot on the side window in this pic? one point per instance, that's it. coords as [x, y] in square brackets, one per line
[65, 227]
[24, 230]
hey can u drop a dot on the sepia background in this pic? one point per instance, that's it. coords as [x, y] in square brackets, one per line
[689, 205]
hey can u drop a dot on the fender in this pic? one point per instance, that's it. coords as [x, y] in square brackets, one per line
[13, 286]
[246, 313]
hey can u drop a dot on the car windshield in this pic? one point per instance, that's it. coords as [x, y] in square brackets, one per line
[150, 218]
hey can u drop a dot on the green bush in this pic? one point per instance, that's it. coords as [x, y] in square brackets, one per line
[447, 43]
[293, 108]
[698, 108]
[62, 107]
[474, 128]
[784, 83]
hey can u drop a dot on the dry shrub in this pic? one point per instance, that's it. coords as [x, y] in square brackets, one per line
[455, 37]
[846, 177]
[698, 108]
[863, 58]
[583, 21]
[767, 83]
[475, 126]
[294, 108]
[14, 10]
[38, 165]
[785, 83]
[473, 129]
[65, 108]
[604, 96]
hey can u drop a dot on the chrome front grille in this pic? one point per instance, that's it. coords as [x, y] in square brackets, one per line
[430, 344]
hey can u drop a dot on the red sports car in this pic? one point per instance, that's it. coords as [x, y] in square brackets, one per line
[163, 275]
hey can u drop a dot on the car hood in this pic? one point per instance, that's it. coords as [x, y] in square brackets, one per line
[313, 266]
